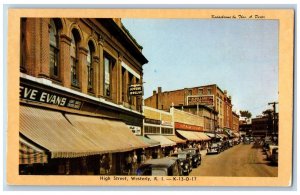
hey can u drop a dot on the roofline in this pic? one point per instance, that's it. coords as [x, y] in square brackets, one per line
[141, 58]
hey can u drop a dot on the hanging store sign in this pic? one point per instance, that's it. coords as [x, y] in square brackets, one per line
[135, 129]
[188, 127]
[44, 96]
[207, 100]
[135, 90]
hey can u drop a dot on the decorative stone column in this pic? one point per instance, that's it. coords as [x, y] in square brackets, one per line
[119, 84]
[96, 81]
[64, 60]
[100, 70]
[82, 69]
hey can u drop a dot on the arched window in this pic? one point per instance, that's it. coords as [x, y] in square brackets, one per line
[54, 50]
[74, 60]
[90, 69]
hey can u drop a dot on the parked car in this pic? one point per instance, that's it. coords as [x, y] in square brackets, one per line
[160, 167]
[269, 152]
[230, 143]
[274, 157]
[196, 156]
[185, 161]
[246, 140]
[214, 148]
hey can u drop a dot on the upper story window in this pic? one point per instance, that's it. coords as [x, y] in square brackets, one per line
[74, 59]
[200, 91]
[209, 91]
[107, 75]
[90, 69]
[54, 50]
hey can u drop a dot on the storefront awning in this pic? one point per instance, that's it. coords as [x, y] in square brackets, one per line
[202, 136]
[212, 135]
[30, 154]
[151, 142]
[175, 139]
[223, 136]
[164, 142]
[189, 135]
[87, 135]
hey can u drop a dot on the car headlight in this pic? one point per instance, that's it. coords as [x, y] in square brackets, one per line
[181, 163]
[195, 160]
[186, 166]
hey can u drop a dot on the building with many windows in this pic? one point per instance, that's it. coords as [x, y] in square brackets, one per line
[75, 109]
[210, 96]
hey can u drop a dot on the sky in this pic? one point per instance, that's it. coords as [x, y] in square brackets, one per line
[240, 56]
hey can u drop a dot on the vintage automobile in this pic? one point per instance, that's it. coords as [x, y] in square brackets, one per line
[274, 157]
[185, 161]
[196, 156]
[230, 142]
[214, 148]
[269, 152]
[247, 140]
[160, 167]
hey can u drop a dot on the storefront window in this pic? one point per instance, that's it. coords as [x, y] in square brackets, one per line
[166, 130]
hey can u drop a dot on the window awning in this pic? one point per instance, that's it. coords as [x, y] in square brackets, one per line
[202, 136]
[151, 142]
[212, 135]
[164, 142]
[175, 139]
[30, 154]
[87, 135]
[189, 135]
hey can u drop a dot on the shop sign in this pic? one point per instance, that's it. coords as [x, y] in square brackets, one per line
[135, 129]
[152, 121]
[135, 90]
[44, 96]
[201, 100]
[166, 123]
[188, 127]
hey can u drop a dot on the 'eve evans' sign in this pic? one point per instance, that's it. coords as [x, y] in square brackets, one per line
[38, 95]
[135, 90]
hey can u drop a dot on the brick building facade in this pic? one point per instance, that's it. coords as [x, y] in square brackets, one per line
[74, 79]
[209, 95]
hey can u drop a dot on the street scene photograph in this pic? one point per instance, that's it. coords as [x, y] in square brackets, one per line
[149, 97]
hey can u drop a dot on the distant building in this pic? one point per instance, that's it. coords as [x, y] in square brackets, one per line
[262, 126]
[209, 95]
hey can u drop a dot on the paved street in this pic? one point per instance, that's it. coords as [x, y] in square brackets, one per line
[241, 160]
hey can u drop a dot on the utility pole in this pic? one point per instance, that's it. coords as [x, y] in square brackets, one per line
[274, 114]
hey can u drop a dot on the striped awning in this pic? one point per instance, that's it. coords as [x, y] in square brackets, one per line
[30, 154]
[164, 142]
[212, 135]
[175, 139]
[189, 135]
[82, 136]
[202, 136]
[151, 142]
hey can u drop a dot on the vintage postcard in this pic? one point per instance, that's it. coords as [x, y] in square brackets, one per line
[150, 97]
